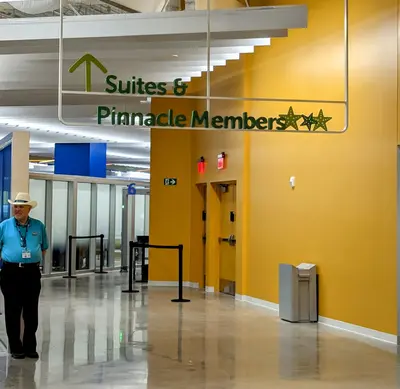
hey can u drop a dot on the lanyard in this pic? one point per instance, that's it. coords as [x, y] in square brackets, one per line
[23, 238]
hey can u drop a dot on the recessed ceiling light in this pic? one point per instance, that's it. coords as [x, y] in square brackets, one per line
[175, 55]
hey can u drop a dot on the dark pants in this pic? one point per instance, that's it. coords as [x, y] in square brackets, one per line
[21, 289]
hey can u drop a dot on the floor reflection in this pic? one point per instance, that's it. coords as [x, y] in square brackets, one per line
[20, 375]
[299, 351]
[93, 336]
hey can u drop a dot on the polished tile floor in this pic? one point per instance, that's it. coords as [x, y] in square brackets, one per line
[93, 336]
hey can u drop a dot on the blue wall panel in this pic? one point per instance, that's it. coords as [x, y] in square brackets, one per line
[98, 159]
[80, 159]
[5, 182]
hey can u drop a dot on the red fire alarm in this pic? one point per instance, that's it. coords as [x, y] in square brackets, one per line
[221, 161]
[201, 165]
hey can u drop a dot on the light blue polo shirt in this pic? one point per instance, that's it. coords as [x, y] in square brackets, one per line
[10, 241]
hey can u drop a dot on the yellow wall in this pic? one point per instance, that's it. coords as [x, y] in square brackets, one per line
[170, 211]
[219, 4]
[342, 214]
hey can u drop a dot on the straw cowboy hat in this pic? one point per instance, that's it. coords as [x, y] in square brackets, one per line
[23, 199]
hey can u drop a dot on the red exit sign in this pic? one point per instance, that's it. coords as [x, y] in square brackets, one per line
[221, 161]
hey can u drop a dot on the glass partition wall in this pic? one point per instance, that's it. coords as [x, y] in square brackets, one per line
[83, 206]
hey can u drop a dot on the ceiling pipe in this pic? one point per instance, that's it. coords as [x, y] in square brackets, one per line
[122, 7]
[173, 5]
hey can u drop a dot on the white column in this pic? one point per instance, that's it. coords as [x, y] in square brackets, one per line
[20, 162]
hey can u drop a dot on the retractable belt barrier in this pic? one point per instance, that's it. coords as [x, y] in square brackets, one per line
[179, 248]
[71, 238]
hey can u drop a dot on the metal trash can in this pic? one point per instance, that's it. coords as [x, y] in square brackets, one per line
[298, 293]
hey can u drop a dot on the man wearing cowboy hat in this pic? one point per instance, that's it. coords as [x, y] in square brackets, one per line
[23, 243]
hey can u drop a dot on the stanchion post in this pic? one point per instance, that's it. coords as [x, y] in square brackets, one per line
[142, 247]
[180, 298]
[69, 258]
[131, 270]
[133, 263]
[143, 262]
[101, 256]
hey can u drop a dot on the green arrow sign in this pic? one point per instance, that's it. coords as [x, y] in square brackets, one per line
[170, 181]
[88, 59]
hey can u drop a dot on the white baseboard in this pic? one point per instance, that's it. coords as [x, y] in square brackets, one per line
[186, 284]
[209, 289]
[162, 283]
[336, 324]
[258, 302]
[358, 330]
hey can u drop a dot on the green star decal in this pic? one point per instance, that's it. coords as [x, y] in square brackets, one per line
[290, 119]
[321, 121]
[308, 121]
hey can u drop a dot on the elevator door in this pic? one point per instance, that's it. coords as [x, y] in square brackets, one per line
[227, 257]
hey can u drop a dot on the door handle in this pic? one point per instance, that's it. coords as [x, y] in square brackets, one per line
[231, 240]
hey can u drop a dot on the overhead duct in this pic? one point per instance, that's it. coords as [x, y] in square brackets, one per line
[34, 7]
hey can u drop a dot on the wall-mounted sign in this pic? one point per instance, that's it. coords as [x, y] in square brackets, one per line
[170, 181]
[197, 119]
[131, 189]
[221, 161]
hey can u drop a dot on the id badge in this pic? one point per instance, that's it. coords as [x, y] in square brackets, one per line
[26, 254]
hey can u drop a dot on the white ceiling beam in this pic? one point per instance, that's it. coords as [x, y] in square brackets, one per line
[144, 53]
[230, 23]
[126, 44]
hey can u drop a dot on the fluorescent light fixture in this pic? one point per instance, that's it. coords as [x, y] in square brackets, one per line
[135, 165]
[132, 175]
[139, 175]
[127, 156]
[41, 145]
